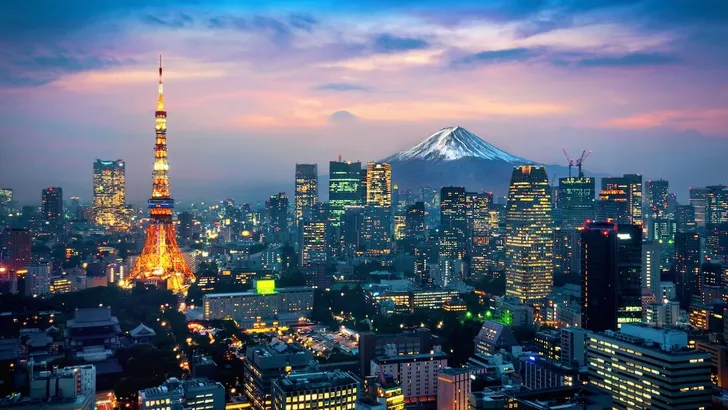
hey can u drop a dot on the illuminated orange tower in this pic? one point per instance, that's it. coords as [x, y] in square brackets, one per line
[161, 259]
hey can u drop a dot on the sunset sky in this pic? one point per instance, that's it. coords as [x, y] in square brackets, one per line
[251, 90]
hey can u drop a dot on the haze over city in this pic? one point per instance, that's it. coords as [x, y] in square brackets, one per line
[251, 90]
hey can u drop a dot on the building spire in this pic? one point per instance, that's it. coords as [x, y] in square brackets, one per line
[160, 98]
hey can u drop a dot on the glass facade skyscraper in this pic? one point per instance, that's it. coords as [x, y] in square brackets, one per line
[529, 235]
[306, 194]
[379, 185]
[611, 264]
[344, 188]
[52, 210]
[109, 204]
[631, 184]
[576, 200]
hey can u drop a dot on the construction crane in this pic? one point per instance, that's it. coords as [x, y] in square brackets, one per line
[571, 161]
[580, 161]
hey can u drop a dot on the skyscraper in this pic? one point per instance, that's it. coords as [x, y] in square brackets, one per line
[687, 265]
[697, 200]
[376, 231]
[52, 210]
[277, 207]
[109, 204]
[651, 257]
[613, 205]
[599, 284]
[479, 231]
[631, 184]
[529, 235]
[415, 221]
[18, 242]
[161, 260]
[453, 208]
[629, 271]
[313, 243]
[611, 264]
[716, 222]
[576, 200]
[567, 250]
[306, 188]
[453, 222]
[716, 205]
[344, 188]
[379, 185]
[685, 218]
[6, 196]
[656, 196]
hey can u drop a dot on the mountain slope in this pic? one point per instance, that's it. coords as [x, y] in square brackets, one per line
[455, 156]
[455, 143]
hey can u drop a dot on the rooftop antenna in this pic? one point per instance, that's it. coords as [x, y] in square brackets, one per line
[571, 161]
[580, 161]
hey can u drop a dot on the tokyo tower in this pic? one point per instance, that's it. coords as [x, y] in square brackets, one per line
[161, 261]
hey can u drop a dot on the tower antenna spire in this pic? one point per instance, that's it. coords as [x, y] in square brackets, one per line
[160, 97]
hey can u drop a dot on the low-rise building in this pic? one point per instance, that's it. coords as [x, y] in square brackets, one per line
[644, 366]
[416, 373]
[281, 306]
[315, 390]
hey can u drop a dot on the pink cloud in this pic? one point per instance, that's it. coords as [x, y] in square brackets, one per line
[710, 121]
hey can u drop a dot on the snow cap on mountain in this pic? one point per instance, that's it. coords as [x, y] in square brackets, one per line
[454, 143]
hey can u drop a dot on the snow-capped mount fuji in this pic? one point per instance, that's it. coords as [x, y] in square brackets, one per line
[455, 156]
[453, 143]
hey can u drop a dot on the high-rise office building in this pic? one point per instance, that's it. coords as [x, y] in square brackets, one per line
[656, 197]
[335, 390]
[629, 271]
[649, 367]
[687, 265]
[697, 200]
[379, 185]
[38, 279]
[52, 210]
[716, 205]
[685, 218]
[453, 223]
[663, 231]
[306, 188]
[599, 287]
[109, 203]
[529, 235]
[277, 207]
[415, 222]
[651, 257]
[716, 241]
[567, 250]
[631, 184]
[344, 188]
[576, 201]
[377, 238]
[18, 243]
[613, 206]
[453, 208]
[6, 196]
[352, 230]
[314, 249]
[611, 264]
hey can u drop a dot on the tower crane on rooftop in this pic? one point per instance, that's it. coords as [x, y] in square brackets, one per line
[571, 161]
[580, 161]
